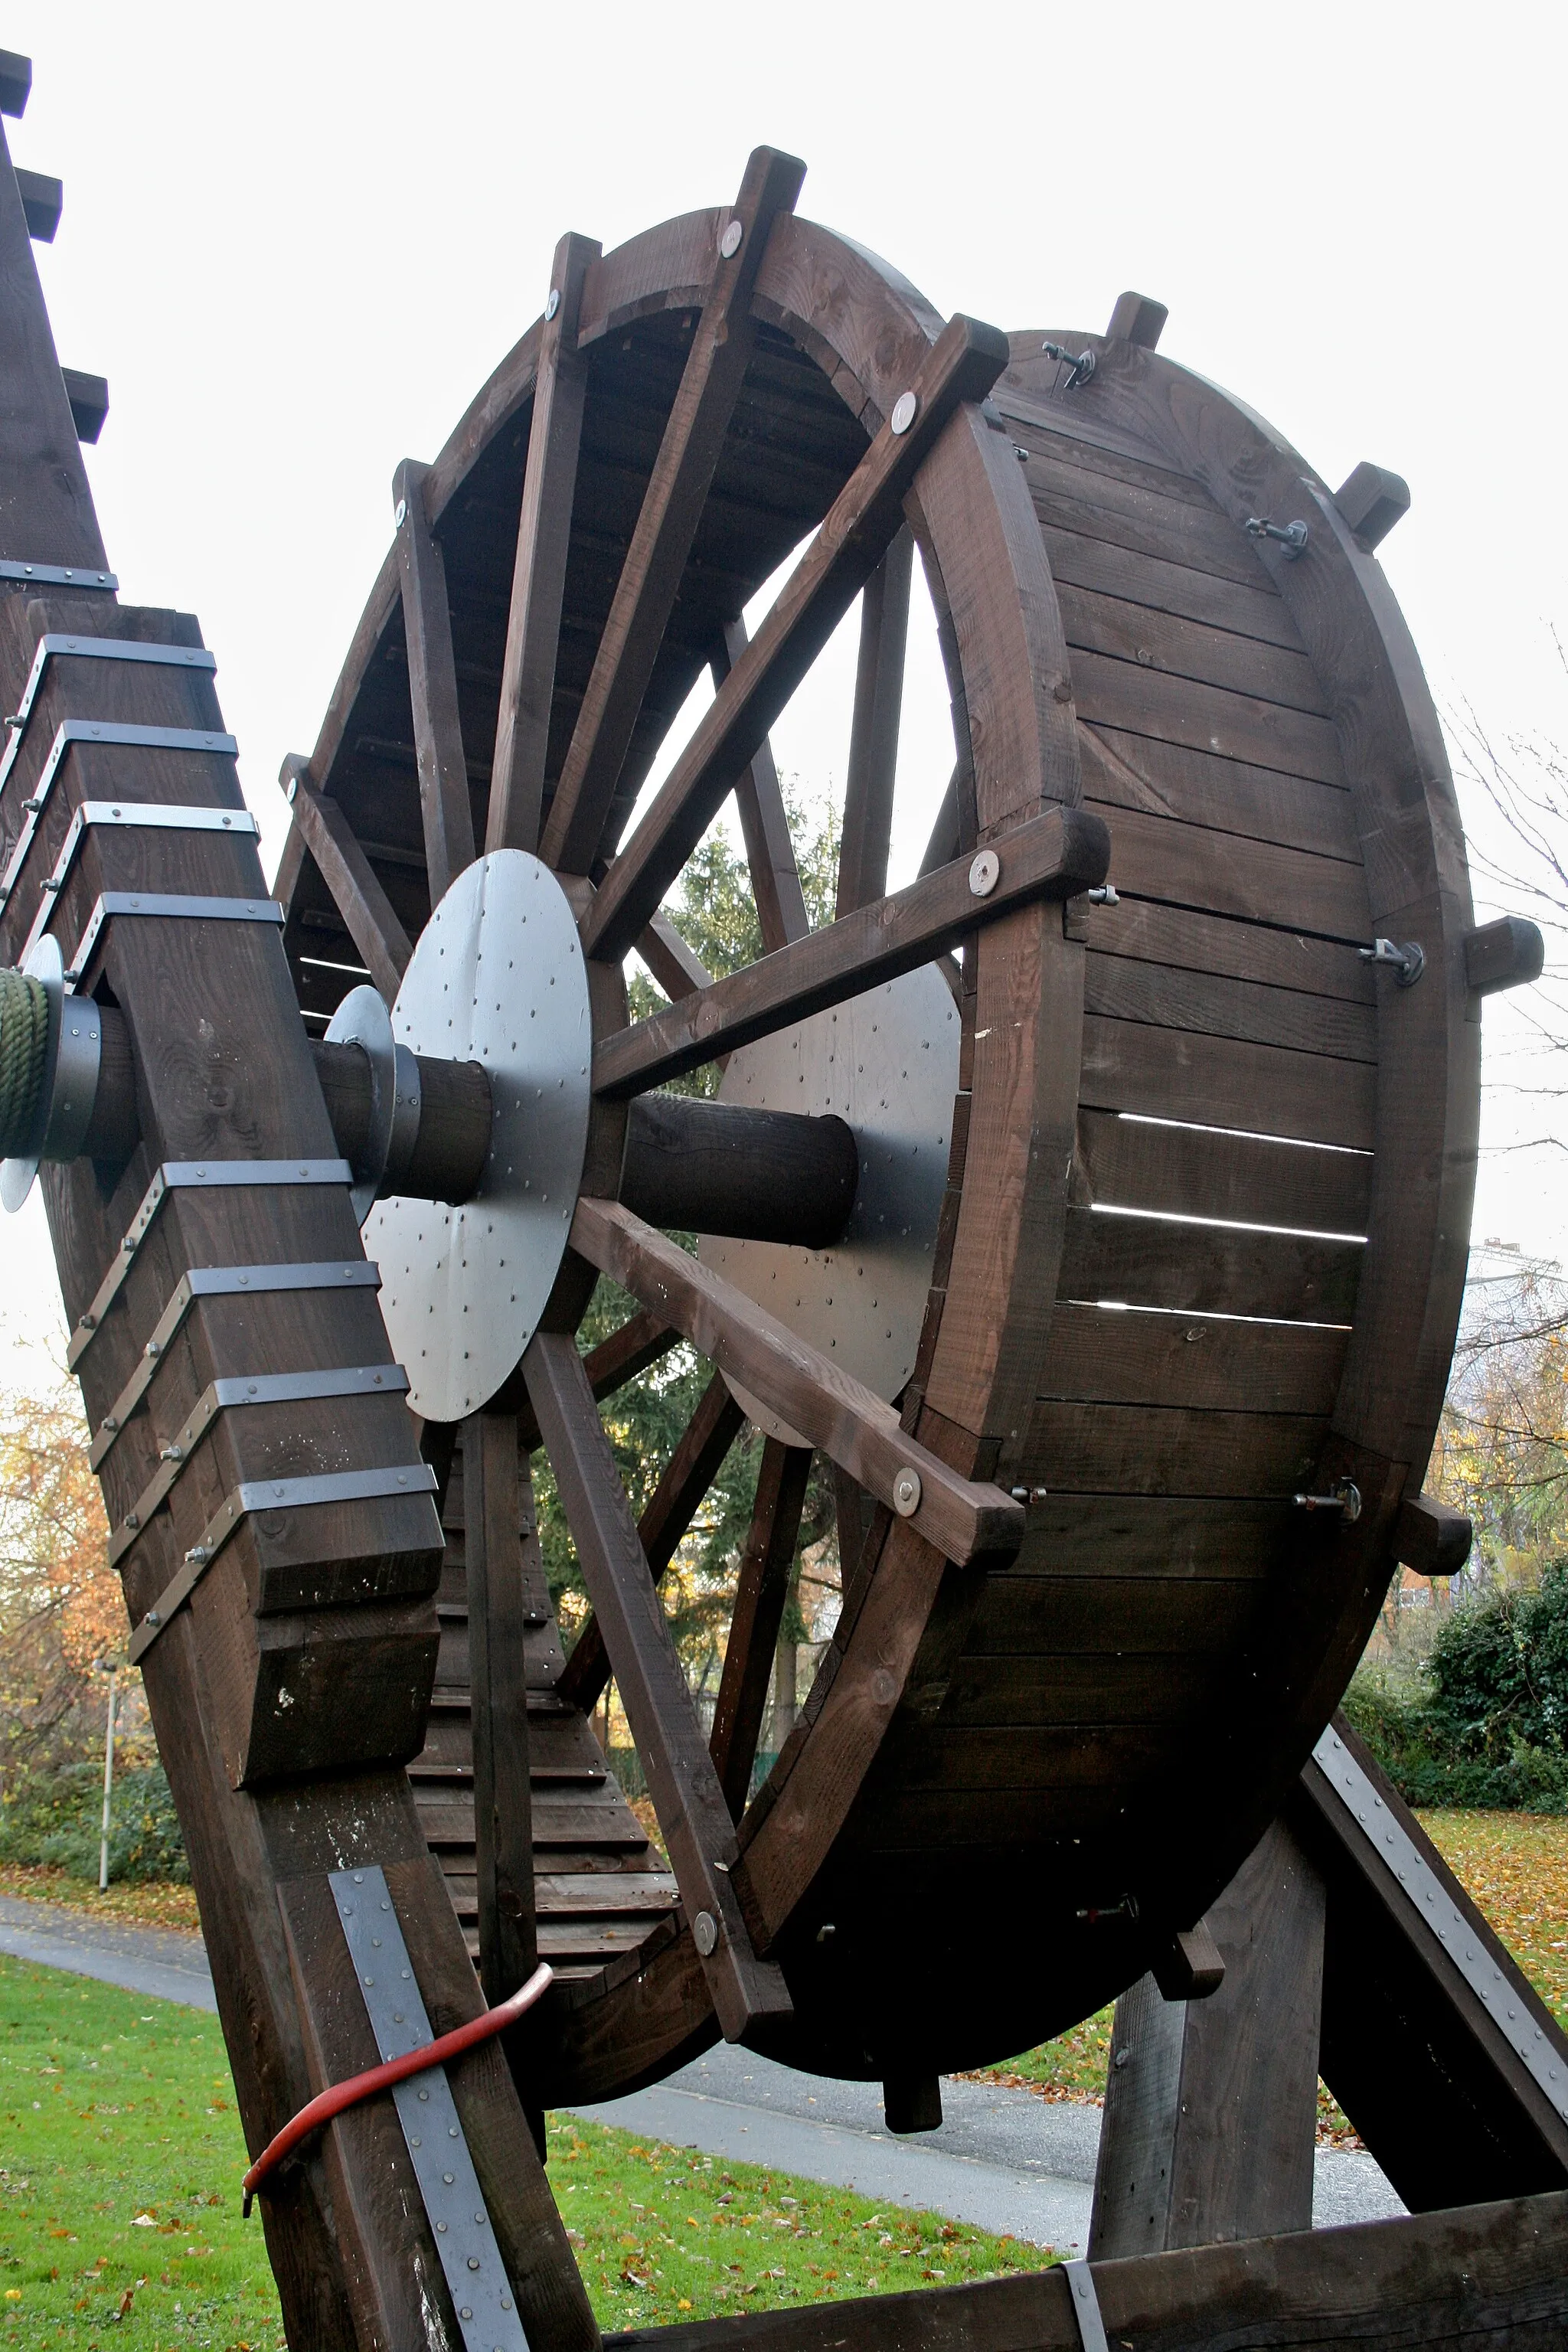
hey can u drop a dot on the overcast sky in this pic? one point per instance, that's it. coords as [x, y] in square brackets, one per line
[296, 241]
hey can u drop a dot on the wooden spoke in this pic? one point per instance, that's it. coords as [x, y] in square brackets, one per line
[1053, 856]
[639, 1342]
[671, 1507]
[539, 576]
[679, 970]
[760, 1599]
[962, 365]
[671, 508]
[432, 687]
[874, 731]
[837, 1412]
[943, 846]
[770, 852]
[345, 869]
[495, 1491]
[693, 1814]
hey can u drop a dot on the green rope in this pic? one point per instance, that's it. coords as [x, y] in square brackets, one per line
[23, 1049]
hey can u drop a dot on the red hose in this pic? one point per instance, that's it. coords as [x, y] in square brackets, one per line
[359, 2088]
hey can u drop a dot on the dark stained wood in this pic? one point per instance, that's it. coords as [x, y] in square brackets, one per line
[718, 1168]
[761, 1592]
[327, 833]
[1168, 1361]
[539, 575]
[432, 687]
[836, 1412]
[498, 1496]
[44, 494]
[1135, 1261]
[1170, 1449]
[671, 1509]
[1206, 1004]
[1432, 1537]
[764, 827]
[874, 729]
[1229, 1082]
[642, 1341]
[1249, 609]
[677, 492]
[865, 517]
[1171, 645]
[1059, 853]
[746, 1992]
[1142, 1164]
[678, 969]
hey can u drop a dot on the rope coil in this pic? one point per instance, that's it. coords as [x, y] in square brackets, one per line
[24, 1052]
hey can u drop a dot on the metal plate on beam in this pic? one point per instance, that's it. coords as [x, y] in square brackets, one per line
[887, 1063]
[497, 978]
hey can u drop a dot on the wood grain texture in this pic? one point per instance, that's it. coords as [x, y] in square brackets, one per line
[874, 729]
[764, 827]
[432, 687]
[761, 1592]
[326, 833]
[494, 1478]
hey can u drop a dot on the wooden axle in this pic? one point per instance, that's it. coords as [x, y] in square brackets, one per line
[703, 1167]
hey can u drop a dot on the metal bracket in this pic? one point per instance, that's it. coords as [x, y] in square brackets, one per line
[55, 575]
[115, 734]
[93, 649]
[1086, 2306]
[1397, 1854]
[1291, 537]
[1407, 963]
[177, 1175]
[159, 816]
[464, 2239]
[168, 906]
[1343, 1496]
[275, 1495]
[227, 1396]
[1082, 364]
[220, 1282]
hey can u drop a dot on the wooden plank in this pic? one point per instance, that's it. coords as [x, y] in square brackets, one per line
[1139, 1163]
[497, 1497]
[765, 827]
[1210, 2120]
[1144, 1607]
[874, 729]
[1169, 1450]
[1143, 520]
[1223, 1082]
[44, 492]
[1133, 1687]
[1126, 771]
[1100, 1354]
[1253, 609]
[442, 770]
[1172, 645]
[1206, 717]
[961, 366]
[836, 1412]
[359, 897]
[539, 571]
[1120, 988]
[667, 523]
[1187, 865]
[1235, 949]
[678, 969]
[1053, 856]
[760, 1592]
[675, 1502]
[1136, 1261]
[644, 1339]
[697, 1831]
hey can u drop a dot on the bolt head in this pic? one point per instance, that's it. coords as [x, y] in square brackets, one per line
[729, 243]
[400, 514]
[985, 873]
[905, 410]
[907, 1494]
[705, 1933]
[552, 302]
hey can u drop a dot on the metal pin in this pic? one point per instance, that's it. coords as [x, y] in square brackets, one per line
[1407, 962]
[1082, 364]
[1291, 535]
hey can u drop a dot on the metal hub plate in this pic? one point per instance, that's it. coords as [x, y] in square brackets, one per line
[497, 978]
[887, 1063]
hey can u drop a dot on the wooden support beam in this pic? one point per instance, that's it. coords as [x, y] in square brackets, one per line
[1211, 2106]
[433, 687]
[539, 575]
[746, 1992]
[756, 1175]
[668, 1515]
[837, 1413]
[759, 1597]
[962, 365]
[1053, 856]
[43, 200]
[942, 845]
[497, 1498]
[345, 869]
[672, 507]
[1372, 500]
[679, 970]
[765, 827]
[874, 728]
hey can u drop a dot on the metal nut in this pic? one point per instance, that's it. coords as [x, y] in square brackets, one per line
[729, 243]
[705, 1932]
[905, 410]
[907, 1494]
[984, 874]
[400, 514]
[552, 302]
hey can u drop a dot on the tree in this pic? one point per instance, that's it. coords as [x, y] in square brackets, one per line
[60, 1605]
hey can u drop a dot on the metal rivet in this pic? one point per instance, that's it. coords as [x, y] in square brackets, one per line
[400, 514]
[729, 243]
[985, 873]
[705, 1933]
[905, 409]
[907, 1494]
[552, 302]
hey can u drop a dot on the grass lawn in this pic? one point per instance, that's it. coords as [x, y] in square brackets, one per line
[121, 2157]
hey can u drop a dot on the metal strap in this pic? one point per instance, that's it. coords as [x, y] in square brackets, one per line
[1086, 2306]
[133, 814]
[1432, 1902]
[55, 575]
[169, 907]
[276, 1494]
[220, 1282]
[124, 649]
[120, 734]
[464, 2239]
[174, 1176]
[227, 1396]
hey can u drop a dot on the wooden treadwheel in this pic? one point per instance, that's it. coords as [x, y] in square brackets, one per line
[1202, 1241]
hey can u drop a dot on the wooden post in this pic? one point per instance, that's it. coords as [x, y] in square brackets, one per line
[1211, 2106]
[493, 1507]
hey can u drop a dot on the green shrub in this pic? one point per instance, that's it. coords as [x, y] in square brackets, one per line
[55, 1818]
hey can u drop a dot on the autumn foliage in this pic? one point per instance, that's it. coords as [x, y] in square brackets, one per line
[60, 1605]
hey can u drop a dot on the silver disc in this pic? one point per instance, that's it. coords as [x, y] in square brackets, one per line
[497, 978]
[887, 1063]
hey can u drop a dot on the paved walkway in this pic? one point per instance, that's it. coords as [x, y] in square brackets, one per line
[1001, 2160]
